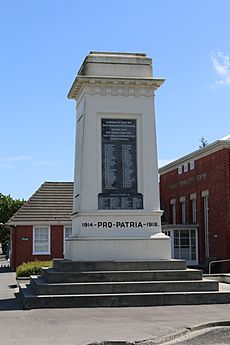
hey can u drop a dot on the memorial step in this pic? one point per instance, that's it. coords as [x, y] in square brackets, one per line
[55, 276]
[41, 287]
[81, 266]
[31, 300]
[129, 284]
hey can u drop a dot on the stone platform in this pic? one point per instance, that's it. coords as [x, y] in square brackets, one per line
[119, 284]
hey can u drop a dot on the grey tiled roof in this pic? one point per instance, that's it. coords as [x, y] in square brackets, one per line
[52, 203]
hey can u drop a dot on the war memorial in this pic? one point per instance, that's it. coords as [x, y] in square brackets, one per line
[116, 213]
[117, 255]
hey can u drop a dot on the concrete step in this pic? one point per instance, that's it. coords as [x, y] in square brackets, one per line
[31, 300]
[83, 266]
[54, 276]
[41, 287]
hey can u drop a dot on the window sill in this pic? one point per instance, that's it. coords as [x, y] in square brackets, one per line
[41, 253]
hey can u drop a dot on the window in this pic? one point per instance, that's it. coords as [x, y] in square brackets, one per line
[193, 207]
[186, 167]
[182, 210]
[174, 213]
[67, 233]
[173, 210]
[41, 240]
[192, 165]
[205, 195]
[180, 169]
[185, 245]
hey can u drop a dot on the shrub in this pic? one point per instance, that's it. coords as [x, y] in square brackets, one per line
[32, 268]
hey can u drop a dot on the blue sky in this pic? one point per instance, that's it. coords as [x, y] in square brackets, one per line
[43, 43]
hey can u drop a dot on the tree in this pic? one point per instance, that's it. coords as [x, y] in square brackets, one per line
[203, 142]
[8, 207]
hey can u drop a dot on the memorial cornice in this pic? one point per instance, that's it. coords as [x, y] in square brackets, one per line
[118, 213]
[112, 238]
[126, 86]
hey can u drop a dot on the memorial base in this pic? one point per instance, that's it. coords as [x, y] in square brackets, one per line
[157, 247]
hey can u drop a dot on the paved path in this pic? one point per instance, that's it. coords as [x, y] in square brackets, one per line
[84, 326]
[209, 336]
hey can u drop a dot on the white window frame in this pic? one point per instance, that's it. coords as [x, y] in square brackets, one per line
[180, 169]
[205, 196]
[64, 235]
[34, 230]
[192, 165]
[186, 167]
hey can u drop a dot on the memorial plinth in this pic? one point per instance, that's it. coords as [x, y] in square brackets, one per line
[116, 209]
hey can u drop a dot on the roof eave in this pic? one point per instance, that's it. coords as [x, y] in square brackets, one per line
[217, 145]
[34, 223]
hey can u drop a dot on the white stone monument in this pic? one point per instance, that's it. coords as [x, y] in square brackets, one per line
[116, 212]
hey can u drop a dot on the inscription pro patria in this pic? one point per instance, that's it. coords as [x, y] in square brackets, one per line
[119, 165]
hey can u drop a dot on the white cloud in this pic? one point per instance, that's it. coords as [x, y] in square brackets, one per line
[221, 65]
[7, 159]
[8, 162]
[6, 165]
[47, 163]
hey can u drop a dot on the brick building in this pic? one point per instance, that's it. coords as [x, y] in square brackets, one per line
[39, 227]
[195, 196]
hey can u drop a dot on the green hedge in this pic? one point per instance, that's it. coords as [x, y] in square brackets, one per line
[32, 268]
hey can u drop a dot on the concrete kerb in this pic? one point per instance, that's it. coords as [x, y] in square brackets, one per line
[165, 339]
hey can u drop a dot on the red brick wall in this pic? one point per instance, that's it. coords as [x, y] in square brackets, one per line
[210, 173]
[57, 241]
[22, 250]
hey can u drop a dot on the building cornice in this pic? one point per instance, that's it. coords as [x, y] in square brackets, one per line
[133, 82]
[198, 154]
[179, 226]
